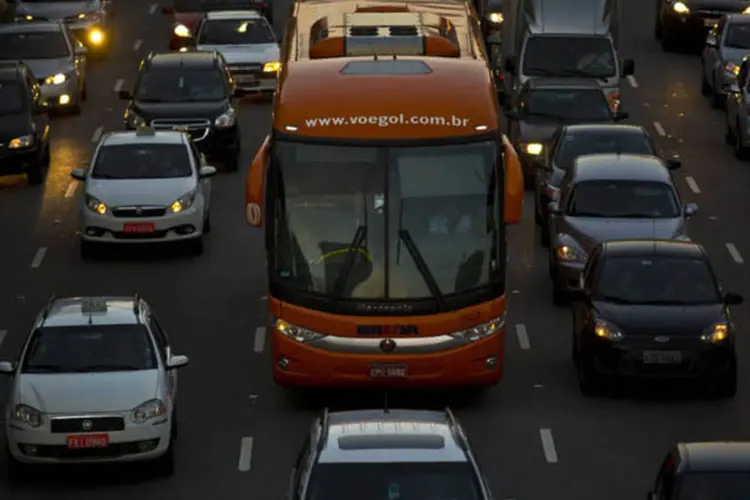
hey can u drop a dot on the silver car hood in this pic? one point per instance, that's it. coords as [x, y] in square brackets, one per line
[590, 231]
[123, 193]
[251, 53]
[42, 68]
[87, 392]
[56, 10]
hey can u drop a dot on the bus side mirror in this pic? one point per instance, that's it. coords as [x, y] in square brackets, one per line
[255, 185]
[513, 184]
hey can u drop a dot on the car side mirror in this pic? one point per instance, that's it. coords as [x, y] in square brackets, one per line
[579, 295]
[125, 95]
[628, 67]
[733, 299]
[621, 115]
[510, 65]
[733, 89]
[167, 9]
[511, 114]
[711, 41]
[240, 92]
[553, 208]
[80, 50]
[690, 209]
[7, 368]
[177, 362]
[206, 172]
[79, 174]
[674, 162]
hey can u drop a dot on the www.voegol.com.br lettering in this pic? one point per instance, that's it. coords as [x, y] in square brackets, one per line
[388, 121]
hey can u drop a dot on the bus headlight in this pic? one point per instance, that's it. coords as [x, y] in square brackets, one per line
[481, 330]
[298, 333]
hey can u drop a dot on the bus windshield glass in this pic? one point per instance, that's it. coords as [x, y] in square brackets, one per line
[379, 223]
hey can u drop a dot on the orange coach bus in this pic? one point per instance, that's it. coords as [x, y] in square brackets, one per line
[384, 190]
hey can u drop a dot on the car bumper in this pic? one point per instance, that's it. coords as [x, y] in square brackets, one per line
[182, 226]
[261, 84]
[61, 96]
[17, 161]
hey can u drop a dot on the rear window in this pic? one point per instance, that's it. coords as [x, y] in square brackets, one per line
[174, 84]
[12, 97]
[587, 143]
[235, 32]
[39, 45]
[209, 5]
[142, 161]
[624, 199]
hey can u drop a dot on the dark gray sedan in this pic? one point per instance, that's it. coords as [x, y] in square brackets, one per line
[610, 197]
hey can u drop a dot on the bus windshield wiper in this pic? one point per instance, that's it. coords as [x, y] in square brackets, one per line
[416, 256]
[351, 253]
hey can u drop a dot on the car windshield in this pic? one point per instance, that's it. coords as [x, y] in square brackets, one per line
[209, 5]
[565, 104]
[12, 99]
[235, 32]
[624, 199]
[578, 144]
[657, 280]
[380, 231]
[142, 161]
[172, 84]
[81, 349]
[714, 485]
[588, 56]
[394, 480]
[738, 36]
[39, 45]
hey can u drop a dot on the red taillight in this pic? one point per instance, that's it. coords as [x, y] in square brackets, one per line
[613, 98]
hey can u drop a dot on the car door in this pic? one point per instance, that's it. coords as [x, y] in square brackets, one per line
[162, 344]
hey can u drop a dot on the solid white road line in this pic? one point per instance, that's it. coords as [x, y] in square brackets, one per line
[137, 44]
[693, 185]
[39, 257]
[659, 129]
[632, 81]
[152, 9]
[548, 444]
[523, 337]
[3, 334]
[260, 339]
[97, 134]
[734, 253]
[118, 84]
[71, 189]
[246, 454]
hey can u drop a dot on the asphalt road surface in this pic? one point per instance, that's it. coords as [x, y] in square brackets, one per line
[535, 435]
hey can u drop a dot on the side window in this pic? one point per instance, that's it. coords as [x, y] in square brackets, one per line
[665, 481]
[159, 335]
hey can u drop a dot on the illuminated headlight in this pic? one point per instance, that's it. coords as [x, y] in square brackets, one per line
[482, 330]
[57, 79]
[148, 410]
[227, 119]
[680, 8]
[25, 141]
[96, 36]
[496, 17]
[272, 67]
[133, 120]
[732, 68]
[746, 11]
[716, 334]
[182, 31]
[569, 253]
[27, 415]
[184, 202]
[533, 148]
[606, 330]
[95, 205]
[302, 335]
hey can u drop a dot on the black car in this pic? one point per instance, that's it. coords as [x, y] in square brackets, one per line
[697, 471]
[24, 124]
[189, 92]
[571, 141]
[686, 22]
[545, 104]
[653, 309]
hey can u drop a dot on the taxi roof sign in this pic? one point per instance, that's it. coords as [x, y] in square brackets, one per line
[145, 131]
[93, 305]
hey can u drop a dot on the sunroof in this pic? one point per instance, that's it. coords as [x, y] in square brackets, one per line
[392, 442]
[386, 67]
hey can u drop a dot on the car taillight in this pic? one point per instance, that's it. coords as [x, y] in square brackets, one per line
[613, 98]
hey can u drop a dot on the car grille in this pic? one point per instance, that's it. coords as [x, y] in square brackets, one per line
[196, 128]
[97, 424]
[113, 450]
[245, 69]
[135, 212]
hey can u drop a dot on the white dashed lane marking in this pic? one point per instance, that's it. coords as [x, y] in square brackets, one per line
[152, 9]
[734, 253]
[693, 185]
[137, 44]
[97, 134]
[523, 337]
[71, 189]
[38, 257]
[659, 129]
[548, 445]
[260, 339]
[246, 454]
[118, 84]
[632, 81]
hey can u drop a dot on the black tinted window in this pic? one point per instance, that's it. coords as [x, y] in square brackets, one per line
[657, 280]
[41, 45]
[142, 161]
[586, 143]
[624, 199]
[393, 481]
[175, 84]
[569, 56]
[208, 5]
[74, 349]
[738, 36]
[565, 104]
[13, 98]
[235, 32]
[714, 486]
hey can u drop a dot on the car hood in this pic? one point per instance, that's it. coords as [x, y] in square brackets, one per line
[12, 126]
[590, 231]
[87, 392]
[139, 192]
[42, 68]
[734, 56]
[166, 110]
[660, 320]
[250, 53]
[56, 10]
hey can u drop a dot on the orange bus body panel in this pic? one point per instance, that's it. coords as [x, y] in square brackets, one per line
[513, 184]
[255, 186]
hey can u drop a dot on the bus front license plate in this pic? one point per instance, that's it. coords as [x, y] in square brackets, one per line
[388, 371]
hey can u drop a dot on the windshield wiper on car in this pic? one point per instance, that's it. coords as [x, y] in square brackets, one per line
[405, 236]
[107, 176]
[45, 369]
[542, 114]
[151, 99]
[107, 368]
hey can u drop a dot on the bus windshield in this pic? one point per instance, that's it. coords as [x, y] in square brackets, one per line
[379, 223]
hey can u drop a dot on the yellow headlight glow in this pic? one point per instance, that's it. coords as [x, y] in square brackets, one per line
[534, 148]
[55, 79]
[21, 142]
[272, 67]
[496, 17]
[96, 36]
[746, 11]
[177, 206]
[718, 334]
[182, 31]
[680, 8]
[100, 208]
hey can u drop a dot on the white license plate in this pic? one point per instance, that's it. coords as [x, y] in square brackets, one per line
[388, 371]
[710, 22]
[662, 357]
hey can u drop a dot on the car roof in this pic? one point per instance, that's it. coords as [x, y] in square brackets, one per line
[106, 310]
[183, 59]
[653, 248]
[563, 83]
[716, 456]
[620, 167]
[133, 137]
[605, 127]
[374, 436]
[31, 27]
[216, 15]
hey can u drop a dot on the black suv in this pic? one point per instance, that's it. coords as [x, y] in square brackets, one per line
[24, 124]
[189, 92]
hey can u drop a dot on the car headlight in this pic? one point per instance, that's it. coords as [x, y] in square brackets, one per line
[57, 79]
[28, 415]
[482, 330]
[148, 410]
[680, 8]
[496, 17]
[182, 31]
[568, 253]
[95, 205]
[606, 330]
[183, 202]
[25, 141]
[133, 120]
[298, 333]
[746, 11]
[716, 333]
[227, 119]
[732, 68]
[533, 148]
[96, 36]
[272, 67]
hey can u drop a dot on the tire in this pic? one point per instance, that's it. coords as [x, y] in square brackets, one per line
[705, 87]
[725, 386]
[89, 250]
[35, 174]
[232, 162]
[740, 150]
[559, 295]
[46, 156]
[717, 100]
[196, 246]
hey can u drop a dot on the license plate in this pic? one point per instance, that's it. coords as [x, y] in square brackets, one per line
[138, 227]
[88, 441]
[388, 371]
[246, 79]
[662, 357]
[710, 22]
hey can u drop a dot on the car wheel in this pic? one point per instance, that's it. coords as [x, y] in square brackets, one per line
[725, 386]
[35, 173]
[46, 156]
[705, 87]
[717, 100]
[740, 150]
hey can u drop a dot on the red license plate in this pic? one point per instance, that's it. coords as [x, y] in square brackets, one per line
[139, 227]
[388, 371]
[88, 441]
